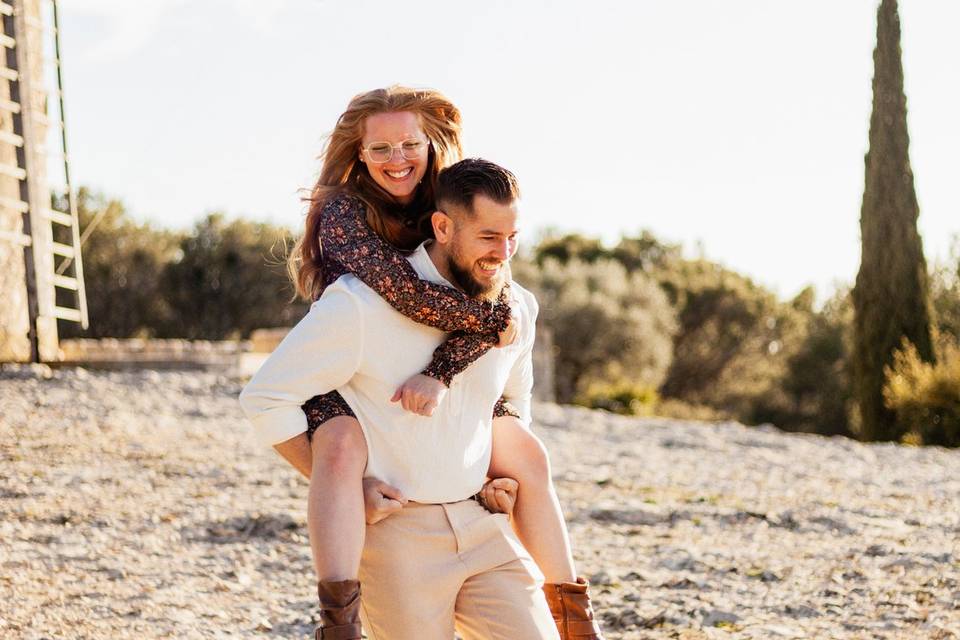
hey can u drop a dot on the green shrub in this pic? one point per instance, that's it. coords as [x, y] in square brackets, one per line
[607, 325]
[926, 396]
[680, 410]
[622, 397]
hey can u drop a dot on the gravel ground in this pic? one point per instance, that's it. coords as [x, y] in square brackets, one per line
[136, 505]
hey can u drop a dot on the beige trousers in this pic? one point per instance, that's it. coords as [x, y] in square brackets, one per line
[430, 568]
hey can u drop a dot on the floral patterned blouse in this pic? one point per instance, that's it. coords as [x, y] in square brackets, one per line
[349, 245]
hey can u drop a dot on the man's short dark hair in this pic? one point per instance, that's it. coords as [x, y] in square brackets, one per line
[460, 183]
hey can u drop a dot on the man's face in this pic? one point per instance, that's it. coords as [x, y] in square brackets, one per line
[481, 244]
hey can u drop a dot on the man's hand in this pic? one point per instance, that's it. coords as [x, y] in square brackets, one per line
[381, 500]
[420, 394]
[500, 495]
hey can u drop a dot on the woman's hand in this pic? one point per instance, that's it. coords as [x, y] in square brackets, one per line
[499, 495]
[380, 500]
[420, 394]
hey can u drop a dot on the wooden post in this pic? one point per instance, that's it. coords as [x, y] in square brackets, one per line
[33, 100]
[15, 325]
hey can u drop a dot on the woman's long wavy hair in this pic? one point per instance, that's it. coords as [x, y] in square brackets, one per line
[342, 173]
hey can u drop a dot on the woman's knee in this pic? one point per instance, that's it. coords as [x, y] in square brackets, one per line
[339, 444]
[519, 451]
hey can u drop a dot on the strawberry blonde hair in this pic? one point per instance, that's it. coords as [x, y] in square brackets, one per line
[341, 172]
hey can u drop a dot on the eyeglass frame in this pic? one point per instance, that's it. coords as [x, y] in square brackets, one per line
[395, 147]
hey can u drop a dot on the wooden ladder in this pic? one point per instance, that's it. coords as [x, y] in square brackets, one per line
[50, 264]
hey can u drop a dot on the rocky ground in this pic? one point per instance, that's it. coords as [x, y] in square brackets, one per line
[136, 505]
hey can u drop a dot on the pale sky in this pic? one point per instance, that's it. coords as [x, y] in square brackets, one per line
[739, 127]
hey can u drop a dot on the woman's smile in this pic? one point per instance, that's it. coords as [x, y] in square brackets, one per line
[398, 174]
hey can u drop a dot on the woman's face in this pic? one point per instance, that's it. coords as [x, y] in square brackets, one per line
[403, 171]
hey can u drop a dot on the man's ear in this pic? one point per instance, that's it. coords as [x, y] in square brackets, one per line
[442, 226]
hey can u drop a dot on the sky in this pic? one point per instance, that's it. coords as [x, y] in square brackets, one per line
[736, 129]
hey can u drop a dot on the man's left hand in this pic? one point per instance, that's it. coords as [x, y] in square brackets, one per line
[499, 495]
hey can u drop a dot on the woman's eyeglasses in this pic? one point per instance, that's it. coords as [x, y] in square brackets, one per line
[381, 152]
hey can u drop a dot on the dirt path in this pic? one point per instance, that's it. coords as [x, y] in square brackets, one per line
[136, 505]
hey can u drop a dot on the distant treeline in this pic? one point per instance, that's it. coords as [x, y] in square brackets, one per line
[637, 328]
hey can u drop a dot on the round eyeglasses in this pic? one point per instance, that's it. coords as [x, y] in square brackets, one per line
[381, 152]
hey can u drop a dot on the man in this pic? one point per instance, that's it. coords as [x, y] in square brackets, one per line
[442, 561]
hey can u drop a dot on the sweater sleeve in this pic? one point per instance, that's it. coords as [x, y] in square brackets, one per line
[320, 354]
[518, 389]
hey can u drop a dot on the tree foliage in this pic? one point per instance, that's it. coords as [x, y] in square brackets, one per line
[121, 263]
[736, 350]
[733, 341]
[607, 324]
[815, 386]
[891, 298]
[637, 327]
[945, 293]
[221, 279]
[230, 279]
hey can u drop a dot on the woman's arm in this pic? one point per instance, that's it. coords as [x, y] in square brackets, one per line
[459, 351]
[346, 238]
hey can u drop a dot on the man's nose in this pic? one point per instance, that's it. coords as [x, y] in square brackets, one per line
[503, 251]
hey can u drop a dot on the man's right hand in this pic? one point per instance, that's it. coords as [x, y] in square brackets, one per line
[381, 500]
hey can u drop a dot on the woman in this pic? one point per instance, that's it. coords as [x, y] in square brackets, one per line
[372, 201]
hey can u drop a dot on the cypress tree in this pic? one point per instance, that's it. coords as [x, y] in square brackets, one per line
[891, 299]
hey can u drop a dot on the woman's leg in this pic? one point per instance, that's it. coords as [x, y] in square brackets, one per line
[539, 524]
[335, 511]
[537, 517]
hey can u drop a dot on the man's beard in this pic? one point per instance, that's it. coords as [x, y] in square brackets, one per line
[470, 285]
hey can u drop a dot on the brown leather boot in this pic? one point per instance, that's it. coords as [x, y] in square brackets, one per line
[570, 605]
[339, 610]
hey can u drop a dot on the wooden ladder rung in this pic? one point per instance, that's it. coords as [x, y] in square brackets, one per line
[11, 138]
[15, 172]
[59, 217]
[64, 250]
[9, 74]
[16, 205]
[10, 106]
[7, 41]
[16, 238]
[65, 313]
[6, 9]
[65, 282]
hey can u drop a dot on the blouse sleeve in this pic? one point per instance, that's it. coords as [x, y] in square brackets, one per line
[346, 238]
